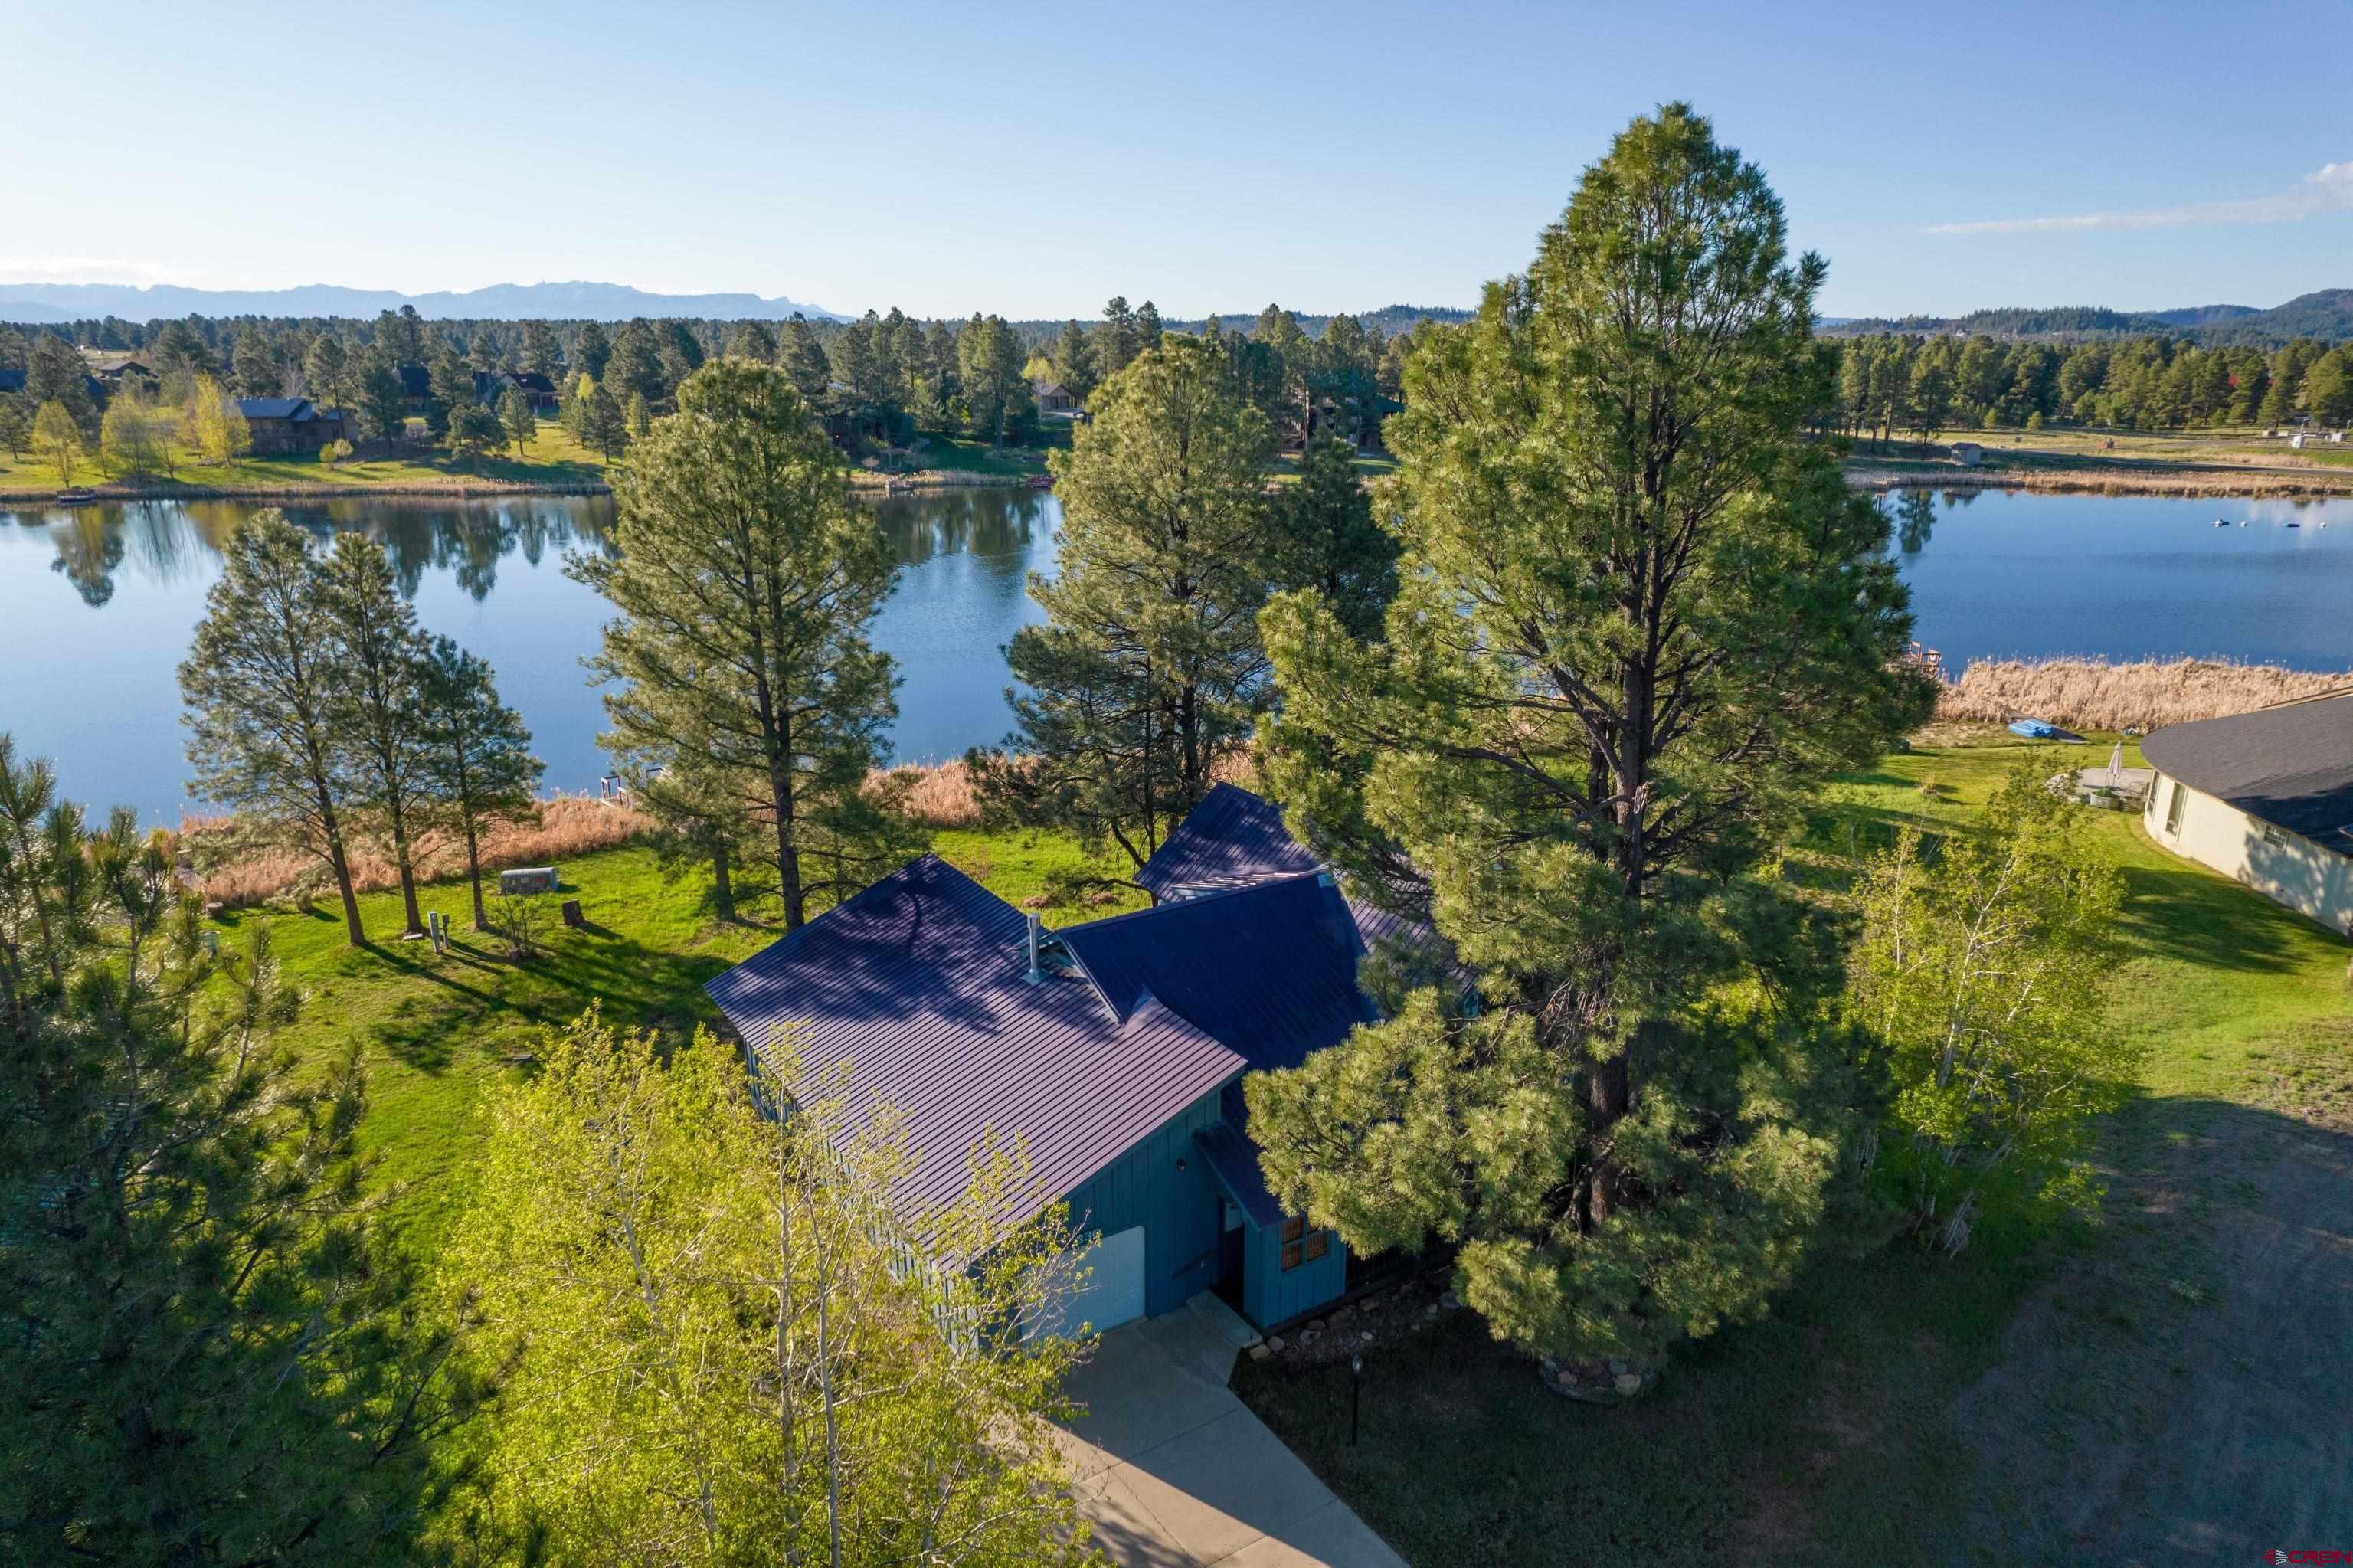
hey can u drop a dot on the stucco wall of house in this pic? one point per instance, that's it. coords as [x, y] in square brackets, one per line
[2284, 866]
[1164, 1184]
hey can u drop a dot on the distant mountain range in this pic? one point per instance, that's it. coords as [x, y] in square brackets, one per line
[2326, 314]
[500, 302]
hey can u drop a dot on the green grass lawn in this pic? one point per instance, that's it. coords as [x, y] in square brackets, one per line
[1907, 1408]
[549, 457]
[968, 454]
[434, 1032]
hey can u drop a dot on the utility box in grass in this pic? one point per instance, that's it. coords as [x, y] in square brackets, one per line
[528, 879]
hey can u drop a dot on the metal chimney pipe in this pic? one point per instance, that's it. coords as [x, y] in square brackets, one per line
[1037, 927]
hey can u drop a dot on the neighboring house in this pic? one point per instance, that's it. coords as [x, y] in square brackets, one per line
[111, 370]
[490, 389]
[1969, 454]
[415, 386]
[1114, 1050]
[292, 425]
[1053, 397]
[2265, 797]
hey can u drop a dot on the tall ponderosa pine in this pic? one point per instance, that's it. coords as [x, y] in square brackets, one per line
[379, 708]
[516, 418]
[211, 1356]
[262, 689]
[1640, 618]
[745, 579]
[1323, 537]
[477, 769]
[1149, 669]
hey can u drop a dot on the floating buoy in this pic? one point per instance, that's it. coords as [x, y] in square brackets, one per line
[2221, 523]
[2242, 522]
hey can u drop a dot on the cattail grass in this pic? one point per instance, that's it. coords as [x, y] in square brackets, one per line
[239, 876]
[2094, 694]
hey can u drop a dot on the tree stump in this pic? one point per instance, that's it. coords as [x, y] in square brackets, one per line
[572, 915]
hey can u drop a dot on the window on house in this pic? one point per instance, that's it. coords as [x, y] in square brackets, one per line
[2272, 835]
[2173, 808]
[1293, 1253]
[1318, 1245]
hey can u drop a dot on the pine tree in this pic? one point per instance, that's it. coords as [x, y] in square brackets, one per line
[1149, 669]
[379, 710]
[1323, 537]
[591, 350]
[1074, 364]
[540, 353]
[515, 417]
[452, 388]
[1641, 618]
[255, 373]
[602, 423]
[802, 358]
[261, 687]
[326, 372]
[214, 1356]
[383, 401]
[745, 579]
[56, 374]
[476, 768]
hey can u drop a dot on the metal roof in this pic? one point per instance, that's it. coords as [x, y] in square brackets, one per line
[1236, 839]
[272, 408]
[1232, 837]
[917, 985]
[1270, 970]
[2290, 765]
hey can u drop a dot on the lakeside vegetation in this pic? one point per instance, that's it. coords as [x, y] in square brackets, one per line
[2139, 695]
[1688, 1069]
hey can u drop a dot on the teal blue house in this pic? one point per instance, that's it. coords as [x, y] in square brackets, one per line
[1114, 1050]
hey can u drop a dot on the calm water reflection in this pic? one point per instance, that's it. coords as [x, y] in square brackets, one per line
[97, 604]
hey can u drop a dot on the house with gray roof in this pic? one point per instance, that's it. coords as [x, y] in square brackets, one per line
[1114, 1050]
[2267, 798]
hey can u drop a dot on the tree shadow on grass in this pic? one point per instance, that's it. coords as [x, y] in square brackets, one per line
[2185, 911]
[2162, 1387]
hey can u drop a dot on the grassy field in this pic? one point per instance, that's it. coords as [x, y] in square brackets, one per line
[434, 1032]
[550, 458]
[2124, 1387]
[2219, 462]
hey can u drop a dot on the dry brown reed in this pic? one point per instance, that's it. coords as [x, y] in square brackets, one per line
[568, 826]
[2094, 694]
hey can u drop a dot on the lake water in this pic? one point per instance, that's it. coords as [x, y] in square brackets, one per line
[97, 604]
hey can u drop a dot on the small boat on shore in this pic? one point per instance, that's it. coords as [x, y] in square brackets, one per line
[76, 497]
[2042, 729]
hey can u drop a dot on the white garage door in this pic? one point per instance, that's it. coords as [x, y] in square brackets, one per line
[1112, 1292]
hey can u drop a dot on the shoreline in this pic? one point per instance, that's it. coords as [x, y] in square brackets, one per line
[2182, 481]
[863, 483]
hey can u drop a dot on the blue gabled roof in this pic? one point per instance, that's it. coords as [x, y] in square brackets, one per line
[1270, 969]
[1236, 839]
[917, 985]
[271, 408]
[1231, 838]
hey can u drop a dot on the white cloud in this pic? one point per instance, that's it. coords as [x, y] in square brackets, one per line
[2327, 189]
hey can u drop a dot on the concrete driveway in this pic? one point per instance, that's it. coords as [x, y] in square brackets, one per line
[1175, 1472]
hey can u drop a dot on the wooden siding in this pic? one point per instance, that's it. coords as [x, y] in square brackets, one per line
[1181, 1210]
[1272, 1294]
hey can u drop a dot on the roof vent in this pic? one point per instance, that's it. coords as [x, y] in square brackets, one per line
[1036, 930]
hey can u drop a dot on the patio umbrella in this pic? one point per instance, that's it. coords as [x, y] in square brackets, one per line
[2117, 766]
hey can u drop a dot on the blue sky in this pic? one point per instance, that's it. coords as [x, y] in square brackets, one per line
[1035, 159]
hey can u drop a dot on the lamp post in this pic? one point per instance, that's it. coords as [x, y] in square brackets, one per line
[1355, 1393]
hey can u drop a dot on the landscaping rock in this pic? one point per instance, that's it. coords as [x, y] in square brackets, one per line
[1307, 1336]
[1315, 1325]
[1260, 1352]
[1275, 1344]
[1629, 1382]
